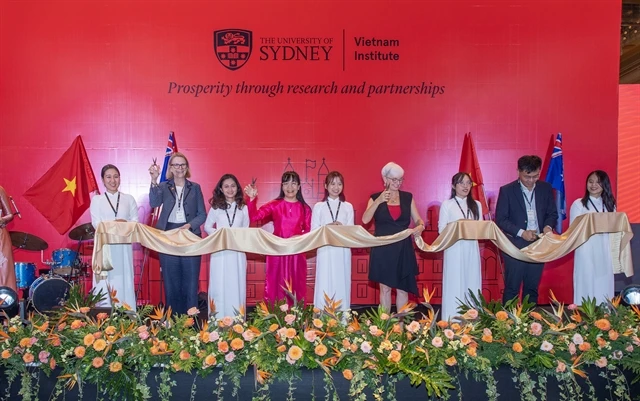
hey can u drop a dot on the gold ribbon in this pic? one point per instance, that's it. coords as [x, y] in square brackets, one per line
[255, 240]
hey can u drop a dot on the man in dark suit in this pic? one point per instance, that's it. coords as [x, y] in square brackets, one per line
[525, 209]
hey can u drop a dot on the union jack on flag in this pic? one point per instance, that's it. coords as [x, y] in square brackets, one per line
[555, 177]
[172, 147]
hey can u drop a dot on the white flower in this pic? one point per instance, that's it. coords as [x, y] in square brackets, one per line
[546, 346]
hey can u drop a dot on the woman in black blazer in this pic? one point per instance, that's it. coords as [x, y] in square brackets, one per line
[182, 207]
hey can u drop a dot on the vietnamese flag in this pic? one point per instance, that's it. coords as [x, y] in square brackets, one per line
[61, 195]
[469, 164]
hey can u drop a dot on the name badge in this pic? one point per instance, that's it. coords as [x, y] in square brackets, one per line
[180, 216]
[531, 218]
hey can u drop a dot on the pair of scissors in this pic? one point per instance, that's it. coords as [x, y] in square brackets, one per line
[253, 181]
[155, 160]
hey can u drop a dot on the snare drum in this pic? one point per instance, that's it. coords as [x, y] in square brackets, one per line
[48, 292]
[25, 274]
[65, 261]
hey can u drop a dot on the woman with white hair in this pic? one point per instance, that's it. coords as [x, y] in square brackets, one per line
[393, 265]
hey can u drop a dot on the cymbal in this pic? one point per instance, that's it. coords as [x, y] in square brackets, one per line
[27, 241]
[82, 232]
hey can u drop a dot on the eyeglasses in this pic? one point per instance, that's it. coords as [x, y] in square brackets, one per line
[396, 180]
[181, 165]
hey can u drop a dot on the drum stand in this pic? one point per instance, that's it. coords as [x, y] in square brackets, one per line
[22, 304]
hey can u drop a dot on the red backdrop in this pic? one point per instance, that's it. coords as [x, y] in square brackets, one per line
[511, 72]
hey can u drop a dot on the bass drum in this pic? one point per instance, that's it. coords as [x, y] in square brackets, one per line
[48, 292]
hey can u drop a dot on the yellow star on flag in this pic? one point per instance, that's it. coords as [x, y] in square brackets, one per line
[70, 186]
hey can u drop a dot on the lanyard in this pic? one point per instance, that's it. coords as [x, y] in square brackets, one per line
[331, 211]
[231, 220]
[180, 198]
[529, 199]
[594, 206]
[115, 210]
[462, 211]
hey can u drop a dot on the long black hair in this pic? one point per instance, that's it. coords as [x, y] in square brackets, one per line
[328, 180]
[471, 203]
[608, 200]
[293, 176]
[219, 201]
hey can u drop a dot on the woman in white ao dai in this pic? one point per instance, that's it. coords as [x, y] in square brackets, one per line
[462, 268]
[227, 269]
[333, 264]
[592, 266]
[114, 205]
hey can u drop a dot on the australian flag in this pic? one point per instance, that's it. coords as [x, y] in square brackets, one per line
[172, 147]
[555, 177]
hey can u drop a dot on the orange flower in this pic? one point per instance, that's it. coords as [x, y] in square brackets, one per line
[28, 357]
[502, 316]
[13, 329]
[394, 356]
[471, 351]
[291, 332]
[536, 315]
[97, 362]
[517, 347]
[443, 324]
[332, 323]
[52, 363]
[273, 327]
[487, 338]
[451, 361]
[189, 322]
[223, 347]
[318, 323]
[100, 344]
[76, 324]
[585, 346]
[601, 342]
[25, 343]
[295, 353]
[110, 330]
[347, 374]
[397, 328]
[353, 348]
[465, 339]
[238, 328]
[613, 335]
[210, 360]
[204, 336]
[603, 324]
[321, 350]
[54, 340]
[115, 367]
[79, 351]
[237, 344]
[184, 355]
[455, 326]
[97, 335]
[346, 343]
[281, 348]
[6, 354]
[85, 309]
[89, 339]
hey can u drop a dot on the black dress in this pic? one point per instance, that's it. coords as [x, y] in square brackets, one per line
[394, 265]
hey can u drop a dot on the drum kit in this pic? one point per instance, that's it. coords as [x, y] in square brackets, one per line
[50, 289]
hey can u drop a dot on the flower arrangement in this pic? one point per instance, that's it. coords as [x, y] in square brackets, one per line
[373, 350]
